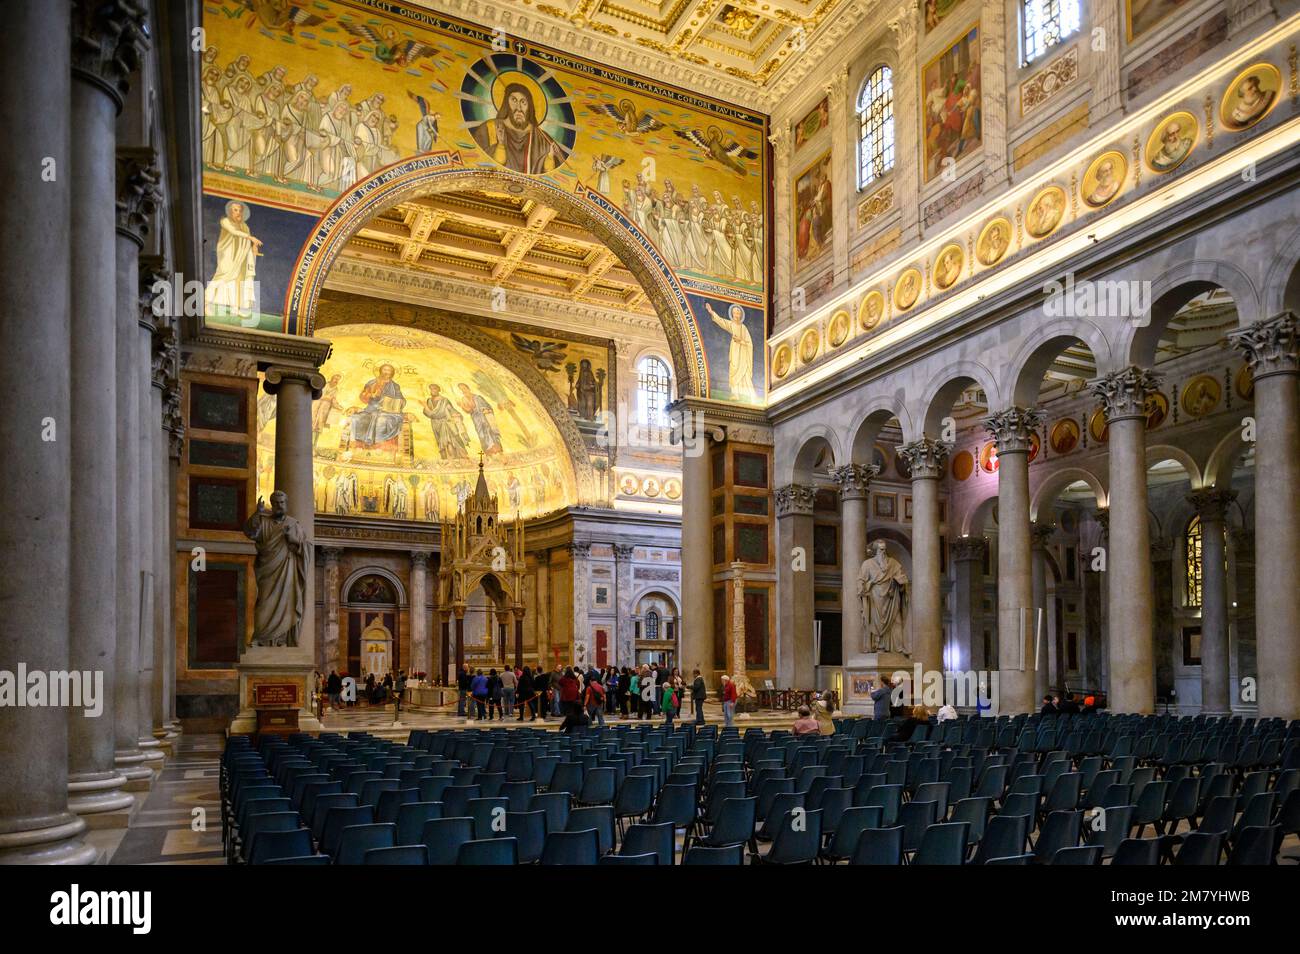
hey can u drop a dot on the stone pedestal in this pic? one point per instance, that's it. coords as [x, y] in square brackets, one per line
[267, 665]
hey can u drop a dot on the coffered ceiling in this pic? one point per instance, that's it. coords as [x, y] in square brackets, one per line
[748, 52]
[499, 241]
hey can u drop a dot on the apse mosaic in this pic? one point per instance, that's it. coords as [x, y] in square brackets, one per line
[302, 102]
[403, 421]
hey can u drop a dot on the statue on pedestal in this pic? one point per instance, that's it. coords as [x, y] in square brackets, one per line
[283, 557]
[882, 593]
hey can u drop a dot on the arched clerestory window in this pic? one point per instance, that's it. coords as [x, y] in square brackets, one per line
[653, 392]
[875, 126]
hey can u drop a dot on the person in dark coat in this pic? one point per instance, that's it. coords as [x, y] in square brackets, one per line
[527, 695]
[880, 698]
[698, 694]
[1049, 707]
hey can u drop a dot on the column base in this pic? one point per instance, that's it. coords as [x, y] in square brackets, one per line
[136, 767]
[52, 840]
[101, 794]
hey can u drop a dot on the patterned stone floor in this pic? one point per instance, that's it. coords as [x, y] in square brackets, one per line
[164, 831]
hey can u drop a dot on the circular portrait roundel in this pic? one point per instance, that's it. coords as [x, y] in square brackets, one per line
[518, 113]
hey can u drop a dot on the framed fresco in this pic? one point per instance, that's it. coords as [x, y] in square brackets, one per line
[950, 94]
[812, 212]
[936, 11]
[816, 120]
[1064, 436]
[1141, 16]
[884, 506]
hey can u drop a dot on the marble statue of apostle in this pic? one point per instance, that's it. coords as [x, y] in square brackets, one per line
[283, 556]
[882, 592]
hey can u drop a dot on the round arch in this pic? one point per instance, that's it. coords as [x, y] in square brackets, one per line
[442, 172]
[1051, 487]
[979, 515]
[1175, 288]
[1043, 346]
[1219, 465]
[944, 389]
[878, 412]
[806, 448]
[1162, 452]
[379, 571]
[1282, 284]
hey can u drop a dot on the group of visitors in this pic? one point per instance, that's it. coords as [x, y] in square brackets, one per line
[587, 696]
[1053, 704]
[377, 691]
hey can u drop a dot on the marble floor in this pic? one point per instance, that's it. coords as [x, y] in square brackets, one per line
[180, 820]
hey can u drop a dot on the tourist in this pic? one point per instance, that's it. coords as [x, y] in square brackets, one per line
[569, 688]
[729, 696]
[1049, 707]
[805, 724]
[668, 702]
[698, 694]
[634, 691]
[542, 687]
[624, 691]
[594, 698]
[645, 692]
[1069, 706]
[822, 713]
[493, 694]
[527, 695]
[463, 679]
[509, 683]
[679, 690]
[880, 697]
[478, 689]
[946, 712]
[334, 688]
[556, 675]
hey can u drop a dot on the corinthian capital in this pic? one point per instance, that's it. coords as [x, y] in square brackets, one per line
[1271, 346]
[1013, 429]
[837, 87]
[138, 194]
[108, 39]
[1123, 394]
[854, 480]
[780, 139]
[925, 458]
[1212, 504]
[795, 500]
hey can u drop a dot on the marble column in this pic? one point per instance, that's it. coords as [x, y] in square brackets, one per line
[294, 390]
[107, 41]
[968, 602]
[1012, 430]
[624, 628]
[419, 612]
[1102, 518]
[580, 650]
[164, 373]
[854, 481]
[174, 441]
[1042, 535]
[1216, 675]
[928, 462]
[330, 657]
[794, 582]
[35, 823]
[542, 615]
[1272, 350]
[697, 549]
[138, 196]
[1130, 617]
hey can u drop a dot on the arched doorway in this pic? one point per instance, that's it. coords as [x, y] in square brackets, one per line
[371, 604]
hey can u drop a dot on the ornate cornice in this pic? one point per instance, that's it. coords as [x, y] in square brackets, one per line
[264, 347]
[138, 192]
[854, 480]
[1013, 429]
[795, 500]
[1123, 394]
[1271, 346]
[108, 39]
[1212, 504]
[925, 458]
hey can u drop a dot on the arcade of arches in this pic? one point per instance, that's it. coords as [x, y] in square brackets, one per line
[973, 354]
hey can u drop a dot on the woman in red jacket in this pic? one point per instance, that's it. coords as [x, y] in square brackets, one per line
[569, 692]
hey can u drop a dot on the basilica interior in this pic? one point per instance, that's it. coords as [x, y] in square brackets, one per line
[799, 347]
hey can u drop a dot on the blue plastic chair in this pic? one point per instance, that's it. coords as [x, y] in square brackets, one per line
[444, 836]
[269, 846]
[704, 855]
[571, 848]
[529, 831]
[397, 855]
[658, 839]
[489, 851]
[356, 840]
[411, 818]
